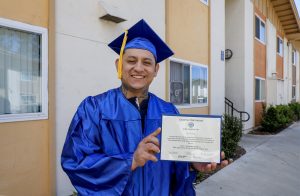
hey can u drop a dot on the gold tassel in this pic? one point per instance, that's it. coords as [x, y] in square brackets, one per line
[121, 55]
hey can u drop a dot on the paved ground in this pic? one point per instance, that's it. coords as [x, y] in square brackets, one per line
[270, 167]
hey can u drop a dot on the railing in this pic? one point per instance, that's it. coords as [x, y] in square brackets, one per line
[230, 110]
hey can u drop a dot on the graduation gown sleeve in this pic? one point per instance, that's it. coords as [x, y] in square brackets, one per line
[91, 171]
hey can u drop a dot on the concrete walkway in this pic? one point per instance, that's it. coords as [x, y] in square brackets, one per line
[271, 166]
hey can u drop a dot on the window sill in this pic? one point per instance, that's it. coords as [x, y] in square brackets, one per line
[22, 117]
[260, 41]
[258, 101]
[191, 106]
[279, 54]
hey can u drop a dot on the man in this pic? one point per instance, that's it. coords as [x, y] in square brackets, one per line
[113, 143]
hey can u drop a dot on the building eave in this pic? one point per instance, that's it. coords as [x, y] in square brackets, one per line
[288, 16]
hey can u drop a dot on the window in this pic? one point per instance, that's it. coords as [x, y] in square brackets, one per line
[259, 29]
[188, 83]
[279, 46]
[204, 1]
[294, 57]
[23, 71]
[259, 89]
[294, 92]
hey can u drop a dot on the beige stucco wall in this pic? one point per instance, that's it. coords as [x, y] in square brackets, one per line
[34, 12]
[194, 110]
[24, 158]
[190, 43]
[24, 146]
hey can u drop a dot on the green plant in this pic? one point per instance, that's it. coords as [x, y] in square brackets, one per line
[231, 134]
[199, 177]
[295, 107]
[285, 115]
[277, 117]
[270, 119]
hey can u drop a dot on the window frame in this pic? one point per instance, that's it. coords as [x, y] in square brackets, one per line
[294, 88]
[293, 57]
[43, 32]
[280, 53]
[205, 2]
[190, 63]
[260, 21]
[260, 98]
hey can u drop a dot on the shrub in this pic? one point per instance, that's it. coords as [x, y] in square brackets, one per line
[295, 107]
[270, 119]
[285, 115]
[277, 117]
[231, 134]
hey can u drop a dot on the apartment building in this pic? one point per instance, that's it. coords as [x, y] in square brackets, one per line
[264, 68]
[54, 54]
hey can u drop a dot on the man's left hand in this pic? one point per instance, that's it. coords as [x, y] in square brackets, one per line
[207, 167]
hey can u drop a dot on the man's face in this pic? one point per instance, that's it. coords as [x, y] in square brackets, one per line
[139, 69]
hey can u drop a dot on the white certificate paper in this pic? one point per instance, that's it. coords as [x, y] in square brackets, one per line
[191, 138]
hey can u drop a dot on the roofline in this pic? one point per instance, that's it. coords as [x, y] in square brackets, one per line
[295, 12]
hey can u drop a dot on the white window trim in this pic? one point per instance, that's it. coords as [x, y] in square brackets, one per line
[260, 41]
[295, 92]
[262, 100]
[191, 105]
[293, 57]
[205, 2]
[280, 54]
[44, 64]
[262, 21]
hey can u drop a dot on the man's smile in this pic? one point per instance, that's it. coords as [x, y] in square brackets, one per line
[138, 76]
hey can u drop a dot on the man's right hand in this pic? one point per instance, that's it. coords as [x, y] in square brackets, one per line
[146, 150]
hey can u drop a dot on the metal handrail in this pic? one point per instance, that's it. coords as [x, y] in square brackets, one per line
[230, 110]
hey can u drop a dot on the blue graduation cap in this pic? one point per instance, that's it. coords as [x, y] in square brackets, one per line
[140, 36]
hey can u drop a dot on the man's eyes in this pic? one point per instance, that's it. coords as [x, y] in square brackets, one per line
[131, 61]
[147, 63]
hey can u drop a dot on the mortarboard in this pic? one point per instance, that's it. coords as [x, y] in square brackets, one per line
[140, 36]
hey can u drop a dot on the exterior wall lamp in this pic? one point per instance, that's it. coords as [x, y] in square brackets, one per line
[111, 13]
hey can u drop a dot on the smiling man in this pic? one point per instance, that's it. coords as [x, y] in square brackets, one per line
[139, 69]
[113, 143]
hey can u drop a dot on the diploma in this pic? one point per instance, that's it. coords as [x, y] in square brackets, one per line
[191, 138]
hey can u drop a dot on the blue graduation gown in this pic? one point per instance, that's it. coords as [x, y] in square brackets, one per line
[98, 151]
